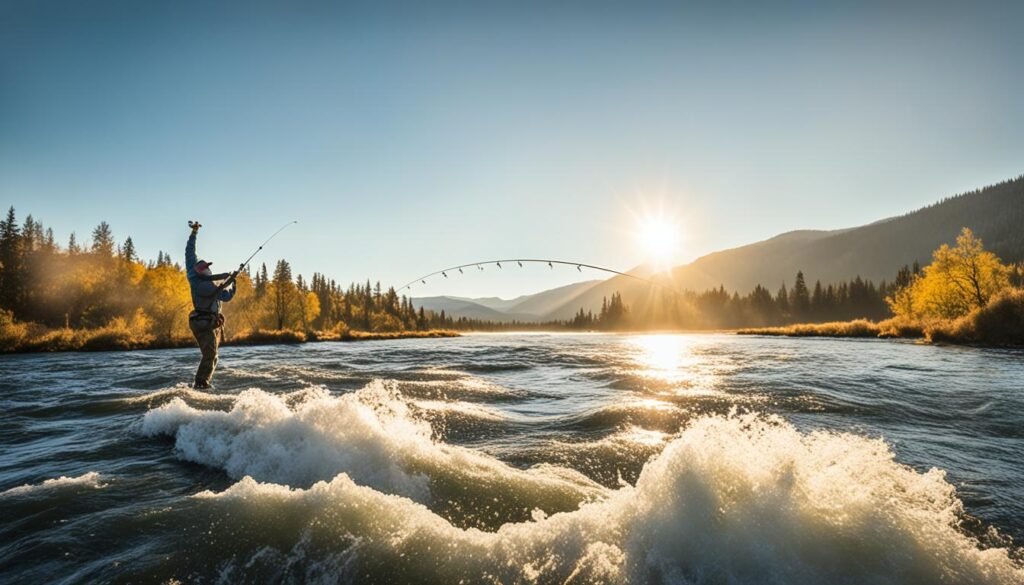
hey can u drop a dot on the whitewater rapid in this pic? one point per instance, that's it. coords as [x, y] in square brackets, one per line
[690, 459]
[358, 486]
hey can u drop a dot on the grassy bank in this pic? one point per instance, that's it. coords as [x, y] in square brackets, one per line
[122, 336]
[856, 328]
[265, 337]
[1000, 322]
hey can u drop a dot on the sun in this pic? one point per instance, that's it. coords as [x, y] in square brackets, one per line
[658, 237]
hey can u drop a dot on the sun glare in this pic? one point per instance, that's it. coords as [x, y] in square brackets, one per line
[659, 240]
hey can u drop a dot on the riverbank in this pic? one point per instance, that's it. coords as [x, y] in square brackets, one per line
[855, 328]
[1000, 322]
[117, 338]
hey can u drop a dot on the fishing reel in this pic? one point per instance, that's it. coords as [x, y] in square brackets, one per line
[195, 225]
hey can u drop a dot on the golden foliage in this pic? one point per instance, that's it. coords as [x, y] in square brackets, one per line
[166, 291]
[265, 336]
[959, 279]
[310, 308]
[857, 328]
[964, 296]
[12, 334]
[895, 327]
[1001, 321]
[77, 298]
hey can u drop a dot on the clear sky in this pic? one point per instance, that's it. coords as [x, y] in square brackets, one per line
[409, 137]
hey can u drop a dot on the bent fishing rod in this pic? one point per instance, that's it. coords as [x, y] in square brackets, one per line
[520, 261]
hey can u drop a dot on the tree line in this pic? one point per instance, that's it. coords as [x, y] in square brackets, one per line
[960, 279]
[88, 285]
[666, 308]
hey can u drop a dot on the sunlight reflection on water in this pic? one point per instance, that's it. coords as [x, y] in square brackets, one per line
[675, 360]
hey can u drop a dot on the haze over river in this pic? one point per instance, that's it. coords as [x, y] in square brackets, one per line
[517, 458]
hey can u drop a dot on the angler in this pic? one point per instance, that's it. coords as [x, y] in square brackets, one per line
[209, 290]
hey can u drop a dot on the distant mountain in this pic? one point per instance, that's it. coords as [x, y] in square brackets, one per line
[526, 308]
[542, 303]
[875, 251]
[460, 307]
[498, 304]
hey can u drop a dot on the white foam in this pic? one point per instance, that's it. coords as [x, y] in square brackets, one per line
[370, 435]
[737, 499]
[91, 479]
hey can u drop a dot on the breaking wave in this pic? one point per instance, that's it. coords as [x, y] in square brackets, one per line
[372, 436]
[91, 479]
[358, 488]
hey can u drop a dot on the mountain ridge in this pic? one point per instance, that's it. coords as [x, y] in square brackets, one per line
[873, 251]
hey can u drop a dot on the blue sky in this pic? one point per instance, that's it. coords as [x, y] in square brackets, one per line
[410, 137]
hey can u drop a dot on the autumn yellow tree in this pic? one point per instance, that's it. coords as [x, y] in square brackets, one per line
[959, 279]
[167, 299]
[243, 312]
[901, 301]
[309, 308]
[287, 305]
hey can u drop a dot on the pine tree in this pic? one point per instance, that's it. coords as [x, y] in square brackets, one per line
[261, 281]
[284, 290]
[10, 256]
[128, 251]
[29, 235]
[801, 297]
[782, 301]
[73, 247]
[818, 308]
[103, 240]
[903, 277]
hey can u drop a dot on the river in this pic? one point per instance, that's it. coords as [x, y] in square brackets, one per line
[505, 458]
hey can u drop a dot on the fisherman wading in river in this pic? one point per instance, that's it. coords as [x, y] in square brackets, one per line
[209, 290]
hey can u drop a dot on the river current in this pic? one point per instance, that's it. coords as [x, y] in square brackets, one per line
[517, 458]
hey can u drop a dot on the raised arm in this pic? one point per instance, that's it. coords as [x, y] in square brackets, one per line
[190, 251]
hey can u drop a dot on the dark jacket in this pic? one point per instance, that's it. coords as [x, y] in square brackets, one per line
[207, 292]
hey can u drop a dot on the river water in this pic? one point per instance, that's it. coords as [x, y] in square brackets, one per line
[517, 458]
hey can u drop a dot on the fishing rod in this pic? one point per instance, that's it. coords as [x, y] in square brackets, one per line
[520, 261]
[231, 276]
[258, 250]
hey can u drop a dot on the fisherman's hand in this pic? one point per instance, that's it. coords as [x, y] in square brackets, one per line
[241, 268]
[195, 225]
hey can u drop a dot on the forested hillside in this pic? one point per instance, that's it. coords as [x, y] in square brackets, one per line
[874, 252]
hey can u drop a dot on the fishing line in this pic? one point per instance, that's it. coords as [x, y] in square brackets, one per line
[272, 236]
